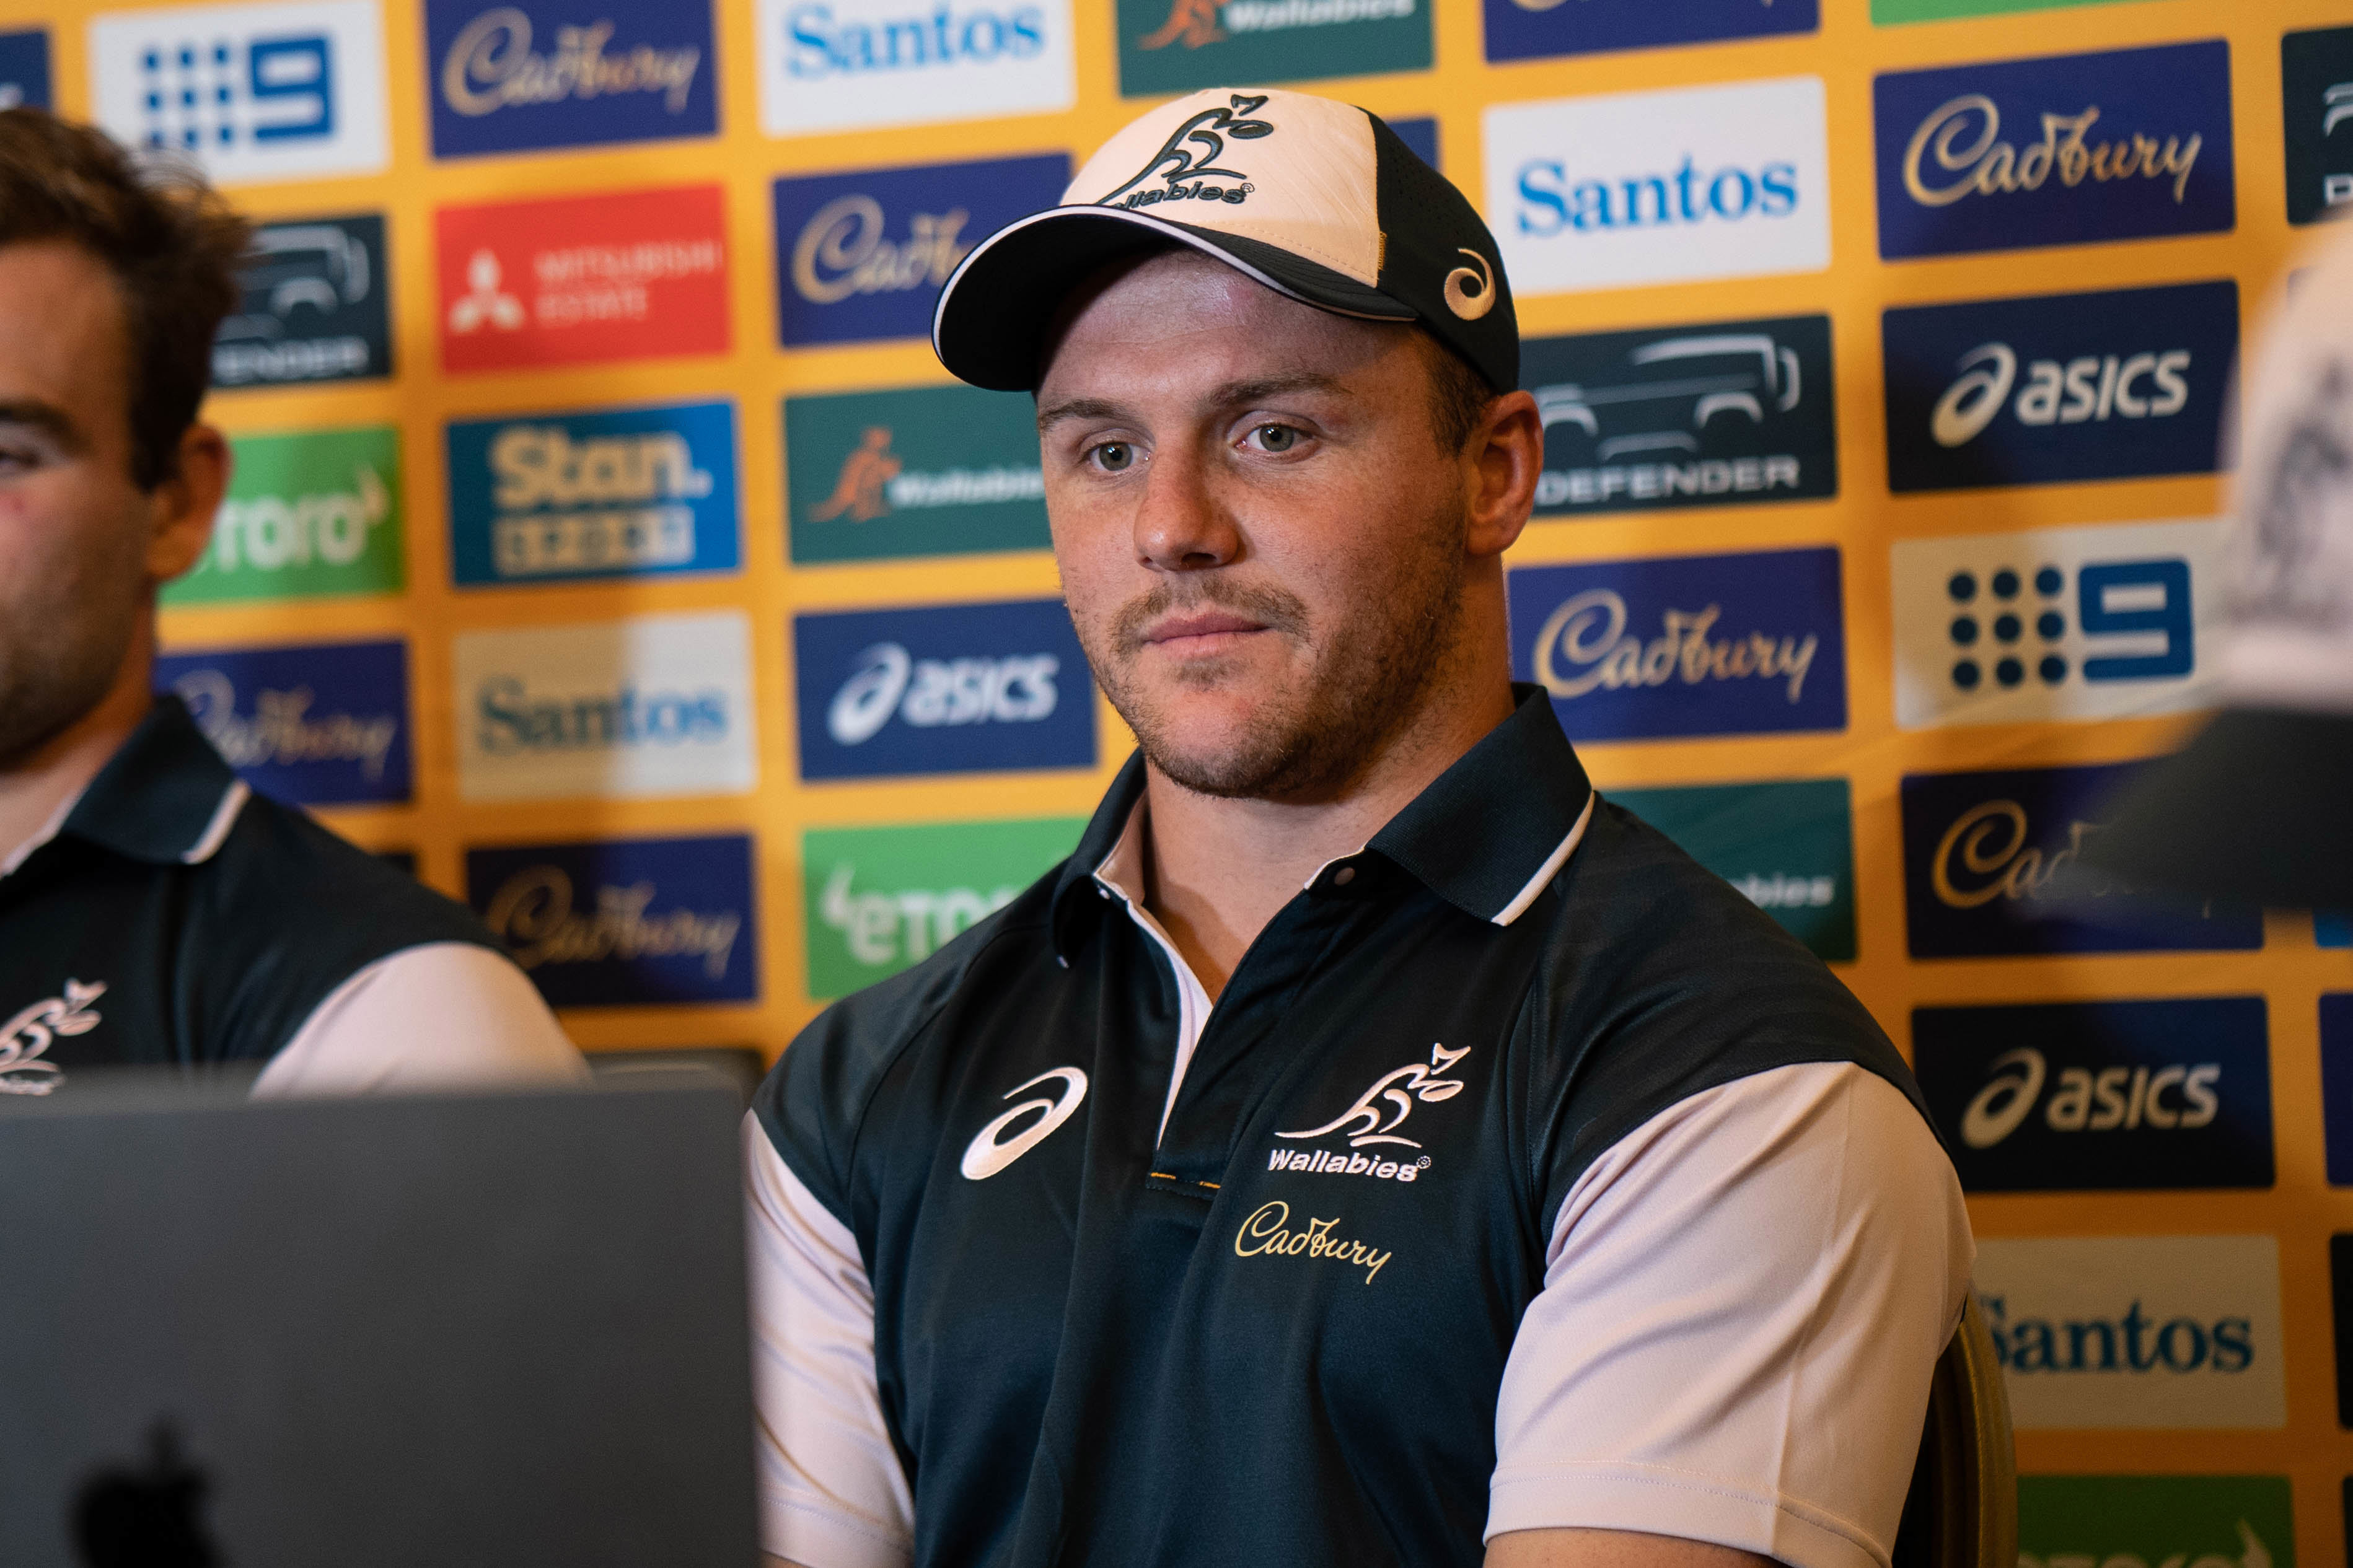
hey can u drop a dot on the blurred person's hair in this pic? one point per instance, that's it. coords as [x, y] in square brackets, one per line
[172, 242]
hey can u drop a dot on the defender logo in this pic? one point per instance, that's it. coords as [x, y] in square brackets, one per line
[24, 1037]
[1399, 1090]
[985, 1155]
[1175, 164]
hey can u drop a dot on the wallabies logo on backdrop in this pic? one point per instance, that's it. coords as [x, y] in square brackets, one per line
[1177, 164]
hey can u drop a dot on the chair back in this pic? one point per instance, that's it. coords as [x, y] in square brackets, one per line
[1962, 1511]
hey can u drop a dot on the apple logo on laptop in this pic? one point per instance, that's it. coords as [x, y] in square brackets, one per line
[145, 1518]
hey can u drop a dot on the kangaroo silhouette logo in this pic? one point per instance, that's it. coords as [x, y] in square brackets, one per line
[1399, 1091]
[1193, 149]
[857, 490]
[1192, 22]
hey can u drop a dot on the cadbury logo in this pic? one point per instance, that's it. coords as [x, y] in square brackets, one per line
[1584, 647]
[841, 251]
[533, 912]
[492, 66]
[1961, 139]
[1984, 856]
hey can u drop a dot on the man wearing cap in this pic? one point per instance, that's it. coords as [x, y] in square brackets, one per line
[1370, 1146]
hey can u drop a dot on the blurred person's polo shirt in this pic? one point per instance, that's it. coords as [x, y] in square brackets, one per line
[1524, 1176]
[168, 916]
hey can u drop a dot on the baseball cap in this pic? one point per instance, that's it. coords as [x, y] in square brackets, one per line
[2259, 805]
[1314, 198]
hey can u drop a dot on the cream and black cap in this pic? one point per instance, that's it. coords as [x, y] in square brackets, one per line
[2259, 806]
[1316, 199]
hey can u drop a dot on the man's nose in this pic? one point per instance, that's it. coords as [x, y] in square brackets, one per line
[1182, 523]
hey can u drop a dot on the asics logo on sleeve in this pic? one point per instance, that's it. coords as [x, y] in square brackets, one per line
[1399, 1090]
[984, 1156]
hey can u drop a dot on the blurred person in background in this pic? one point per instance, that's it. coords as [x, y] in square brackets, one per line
[1370, 1147]
[153, 910]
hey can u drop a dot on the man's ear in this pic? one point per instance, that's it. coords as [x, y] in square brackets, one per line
[1506, 454]
[181, 508]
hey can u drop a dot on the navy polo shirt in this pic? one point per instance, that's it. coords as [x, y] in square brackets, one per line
[1276, 1332]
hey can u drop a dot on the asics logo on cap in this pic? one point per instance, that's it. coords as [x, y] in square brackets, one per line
[1471, 290]
[1175, 162]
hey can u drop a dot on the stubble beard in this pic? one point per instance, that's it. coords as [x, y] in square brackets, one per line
[1370, 678]
[61, 648]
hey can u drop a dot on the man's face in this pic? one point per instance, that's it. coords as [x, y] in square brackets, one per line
[75, 532]
[1260, 542]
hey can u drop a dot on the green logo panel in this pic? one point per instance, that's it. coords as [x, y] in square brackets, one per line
[879, 899]
[1180, 46]
[933, 470]
[1789, 845]
[307, 515]
[2155, 1522]
[1889, 13]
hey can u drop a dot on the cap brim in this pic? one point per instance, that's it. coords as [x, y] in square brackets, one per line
[990, 324]
[2253, 810]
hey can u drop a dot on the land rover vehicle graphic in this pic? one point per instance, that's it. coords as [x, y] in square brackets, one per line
[292, 266]
[1675, 386]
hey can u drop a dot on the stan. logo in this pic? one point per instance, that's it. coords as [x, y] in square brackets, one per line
[34, 1029]
[836, 65]
[2058, 387]
[283, 90]
[553, 73]
[1729, 413]
[25, 69]
[621, 275]
[316, 724]
[2101, 1095]
[1529, 29]
[312, 308]
[929, 470]
[625, 492]
[863, 255]
[990, 1151]
[876, 900]
[1168, 46]
[2069, 623]
[1686, 645]
[315, 513]
[1787, 846]
[1657, 187]
[1991, 865]
[624, 922]
[2317, 100]
[2060, 151]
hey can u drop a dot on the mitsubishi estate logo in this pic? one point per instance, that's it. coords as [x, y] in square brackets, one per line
[2317, 100]
[990, 1151]
[34, 1029]
[2123, 384]
[1194, 152]
[2077, 1096]
[839, 65]
[933, 470]
[2059, 150]
[318, 724]
[862, 255]
[1170, 47]
[624, 922]
[563, 73]
[281, 91]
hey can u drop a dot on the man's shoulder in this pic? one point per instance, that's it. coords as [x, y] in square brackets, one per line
[283, 881]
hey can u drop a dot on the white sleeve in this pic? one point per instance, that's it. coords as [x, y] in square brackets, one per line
[832, 1494]
[1743, 1301]
[443, 1015]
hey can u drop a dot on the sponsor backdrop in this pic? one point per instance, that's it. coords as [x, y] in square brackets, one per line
[607, 545]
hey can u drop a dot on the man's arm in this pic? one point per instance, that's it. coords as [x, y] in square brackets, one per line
[1609, 1549]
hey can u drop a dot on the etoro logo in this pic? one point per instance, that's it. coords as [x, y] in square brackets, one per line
[317, 724]
[1170, 47]
[314, 513]
[271, 91]
[837, 65]
[2075, 623]
[2101, 1095]
[624, 922]
[927, 470]
[877, 899]
[2058, 151]
[1657, 187]
[604, 494]
[2137, 1331]
[622, 275]
[313, 306]
[2155, 1522]
[2118, 384]
[510, 78]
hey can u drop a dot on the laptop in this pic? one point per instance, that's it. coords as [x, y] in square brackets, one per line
[503, 1329]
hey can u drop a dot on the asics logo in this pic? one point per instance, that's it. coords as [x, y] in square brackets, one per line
[985, 1156]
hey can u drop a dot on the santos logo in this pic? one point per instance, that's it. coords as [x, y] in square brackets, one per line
[2137, 1331]
[835, 65]
[2068, 623]
[250, 92]
[567, 74]
[2063, 386]
[594, 495]
[624, 922]
[1651, 187]
[961, 689]
[317, 724]
[2101, 1095]
[659, 705]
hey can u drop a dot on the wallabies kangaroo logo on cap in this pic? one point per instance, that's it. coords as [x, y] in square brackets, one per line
[1175, 164]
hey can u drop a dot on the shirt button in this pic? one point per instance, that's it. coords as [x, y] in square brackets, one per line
[1344, 875]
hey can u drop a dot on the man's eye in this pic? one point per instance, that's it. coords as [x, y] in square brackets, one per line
[1276, 438]
[1114, 456]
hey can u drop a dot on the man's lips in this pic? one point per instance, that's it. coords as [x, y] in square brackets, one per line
[1199, 629]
